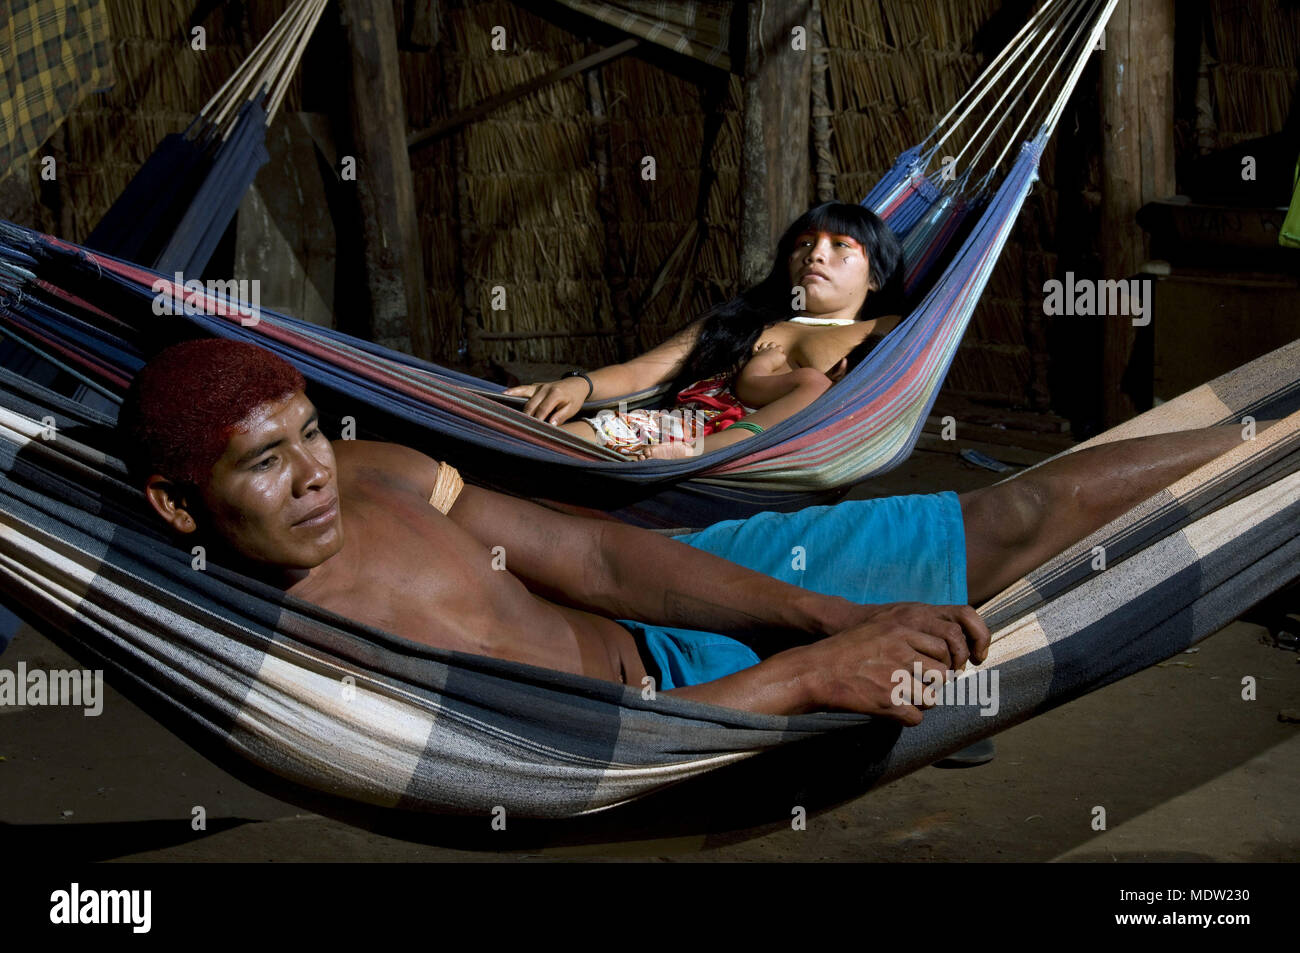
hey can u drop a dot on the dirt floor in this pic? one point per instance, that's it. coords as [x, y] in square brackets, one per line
[1185, 769]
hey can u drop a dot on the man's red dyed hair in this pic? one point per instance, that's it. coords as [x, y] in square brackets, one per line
[182, 408]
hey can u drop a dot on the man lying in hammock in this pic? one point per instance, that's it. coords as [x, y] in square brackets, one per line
[226, 446]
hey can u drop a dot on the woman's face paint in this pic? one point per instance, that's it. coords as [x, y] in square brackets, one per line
[833, 270]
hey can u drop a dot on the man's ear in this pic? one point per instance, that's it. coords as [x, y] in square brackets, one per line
[168, 500]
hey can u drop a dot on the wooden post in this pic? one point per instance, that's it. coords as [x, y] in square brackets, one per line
[615, 256]
[471, 313]
[820, 106]
[467, 233]
[774, 163]
[1137, 159]
[394, 265]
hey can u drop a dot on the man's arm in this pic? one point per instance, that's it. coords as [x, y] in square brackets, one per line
[624, 572]
[859, 670]
[616, 570]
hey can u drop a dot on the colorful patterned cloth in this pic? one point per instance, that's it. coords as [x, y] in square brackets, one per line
[705, 407]
[52, 54]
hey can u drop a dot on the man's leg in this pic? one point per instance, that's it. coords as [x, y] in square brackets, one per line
[1015, 526]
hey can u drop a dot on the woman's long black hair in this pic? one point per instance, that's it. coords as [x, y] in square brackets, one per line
[731, 328]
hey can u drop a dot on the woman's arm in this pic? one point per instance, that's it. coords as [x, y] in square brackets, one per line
[810, 384]
[767, 377]
[557, 401]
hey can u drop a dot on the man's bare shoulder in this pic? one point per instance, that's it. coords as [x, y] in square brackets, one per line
[390, 464]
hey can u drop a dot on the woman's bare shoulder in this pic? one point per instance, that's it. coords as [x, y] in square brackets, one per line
[822, 347]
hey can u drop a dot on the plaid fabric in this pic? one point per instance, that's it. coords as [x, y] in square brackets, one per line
[52, 54]
[375, 723]
[698, 30]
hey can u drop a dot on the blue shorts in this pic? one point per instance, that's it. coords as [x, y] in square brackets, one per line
[893, 549]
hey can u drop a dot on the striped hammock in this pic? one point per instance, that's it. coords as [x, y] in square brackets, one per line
[348, 720]
[865, 425]
[353, 722]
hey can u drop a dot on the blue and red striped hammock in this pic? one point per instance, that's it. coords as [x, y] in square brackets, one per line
[865, 425]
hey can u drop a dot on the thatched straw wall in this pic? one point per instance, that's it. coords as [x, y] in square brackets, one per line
[531, 186]
[894, 68]
[161, 83]
[1254, 47]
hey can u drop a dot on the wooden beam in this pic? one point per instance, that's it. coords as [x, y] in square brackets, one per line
[423, 138]
[774, 161]
[820, 107]
[615, 271]
[467, 233]
[1137, 100]
[532, 335]
[394, 264]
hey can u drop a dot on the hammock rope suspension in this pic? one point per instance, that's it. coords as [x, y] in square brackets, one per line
[267, 71]
[1065, 34]
[178, 205]
[992, 73]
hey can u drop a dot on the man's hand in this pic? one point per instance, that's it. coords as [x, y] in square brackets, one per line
[858, 669]
[960, 627]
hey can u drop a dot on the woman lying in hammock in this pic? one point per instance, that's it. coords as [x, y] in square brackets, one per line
[757, 359]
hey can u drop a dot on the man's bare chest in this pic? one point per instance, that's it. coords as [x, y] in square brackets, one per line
[412, 571]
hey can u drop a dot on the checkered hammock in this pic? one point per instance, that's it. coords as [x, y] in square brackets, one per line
[364, 725]
[359, 723]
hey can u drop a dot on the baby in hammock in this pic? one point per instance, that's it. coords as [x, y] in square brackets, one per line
[710, 413]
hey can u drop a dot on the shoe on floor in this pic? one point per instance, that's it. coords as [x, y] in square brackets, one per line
[981, 752]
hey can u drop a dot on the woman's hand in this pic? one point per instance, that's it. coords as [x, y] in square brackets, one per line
[552, 401]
